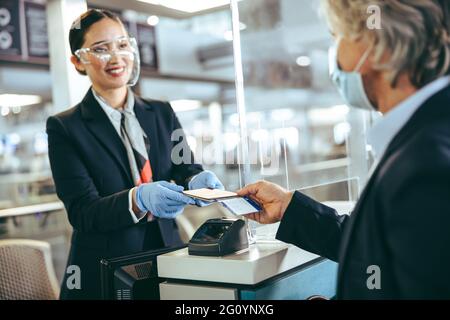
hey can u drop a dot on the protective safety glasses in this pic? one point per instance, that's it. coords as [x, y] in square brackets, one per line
[104, 51]
[123, 47]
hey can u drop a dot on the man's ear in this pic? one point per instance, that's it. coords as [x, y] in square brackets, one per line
[78, 65]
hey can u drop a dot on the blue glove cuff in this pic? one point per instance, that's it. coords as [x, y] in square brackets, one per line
[139, 202]
[192, 179]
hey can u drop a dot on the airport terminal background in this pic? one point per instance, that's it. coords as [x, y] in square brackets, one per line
[296, 132]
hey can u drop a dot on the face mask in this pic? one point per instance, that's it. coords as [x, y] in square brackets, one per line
[350, 84]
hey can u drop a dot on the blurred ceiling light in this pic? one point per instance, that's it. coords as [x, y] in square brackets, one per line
[259, 135]
[13, 138]
[340, 132]
[252, 117]
[40, 144]
[341, 109]
[231, 141]
[303, 61]
[16, 109]
[5, 111]
[18, 100]
[327, 116]
[191, 6]
[185, 105]
[255, 117]
[153, 20]
[289, 134]
[282, 114]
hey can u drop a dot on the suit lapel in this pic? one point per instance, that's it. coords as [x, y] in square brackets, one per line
[147, 119]
[101, 127]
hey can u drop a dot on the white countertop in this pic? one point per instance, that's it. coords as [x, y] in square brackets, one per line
[260, 262]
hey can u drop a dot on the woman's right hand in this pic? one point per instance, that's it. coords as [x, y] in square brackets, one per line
[162, 199]
[273, 199]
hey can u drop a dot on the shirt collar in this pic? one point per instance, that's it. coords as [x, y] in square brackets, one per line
[385, 129]
[112, 112]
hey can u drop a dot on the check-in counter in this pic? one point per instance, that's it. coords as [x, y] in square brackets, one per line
[267, 270]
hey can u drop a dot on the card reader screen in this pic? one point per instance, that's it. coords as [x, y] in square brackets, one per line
[211, 232]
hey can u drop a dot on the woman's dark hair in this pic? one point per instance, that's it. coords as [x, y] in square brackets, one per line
[82, 24]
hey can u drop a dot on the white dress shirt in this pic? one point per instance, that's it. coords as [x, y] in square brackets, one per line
[115, 116]
[383, 132]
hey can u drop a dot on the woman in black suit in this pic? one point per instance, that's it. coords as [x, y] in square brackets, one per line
[111, 158]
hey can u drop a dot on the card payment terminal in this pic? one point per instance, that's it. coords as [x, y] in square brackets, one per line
[219, 237]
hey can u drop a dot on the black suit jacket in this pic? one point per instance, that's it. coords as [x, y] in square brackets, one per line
[401, 222]
[92, 177]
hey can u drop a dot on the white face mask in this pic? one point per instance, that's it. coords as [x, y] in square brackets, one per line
[350, 84]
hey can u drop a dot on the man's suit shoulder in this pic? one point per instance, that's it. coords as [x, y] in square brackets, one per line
[425, 154]
[430, 146]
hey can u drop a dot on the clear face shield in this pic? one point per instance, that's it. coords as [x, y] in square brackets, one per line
[124, 47]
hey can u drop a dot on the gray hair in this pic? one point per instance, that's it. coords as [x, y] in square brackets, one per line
[416, 34]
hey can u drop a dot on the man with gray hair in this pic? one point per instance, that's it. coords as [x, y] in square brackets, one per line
[395, 243]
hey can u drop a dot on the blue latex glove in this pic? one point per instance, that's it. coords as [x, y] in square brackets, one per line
[163, 199]
[205, 179]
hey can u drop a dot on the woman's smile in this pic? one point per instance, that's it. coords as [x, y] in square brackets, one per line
[116, 71]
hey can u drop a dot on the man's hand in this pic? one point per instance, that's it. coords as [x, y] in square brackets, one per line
[273, 199]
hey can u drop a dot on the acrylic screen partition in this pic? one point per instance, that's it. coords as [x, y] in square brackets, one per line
[294, 128]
